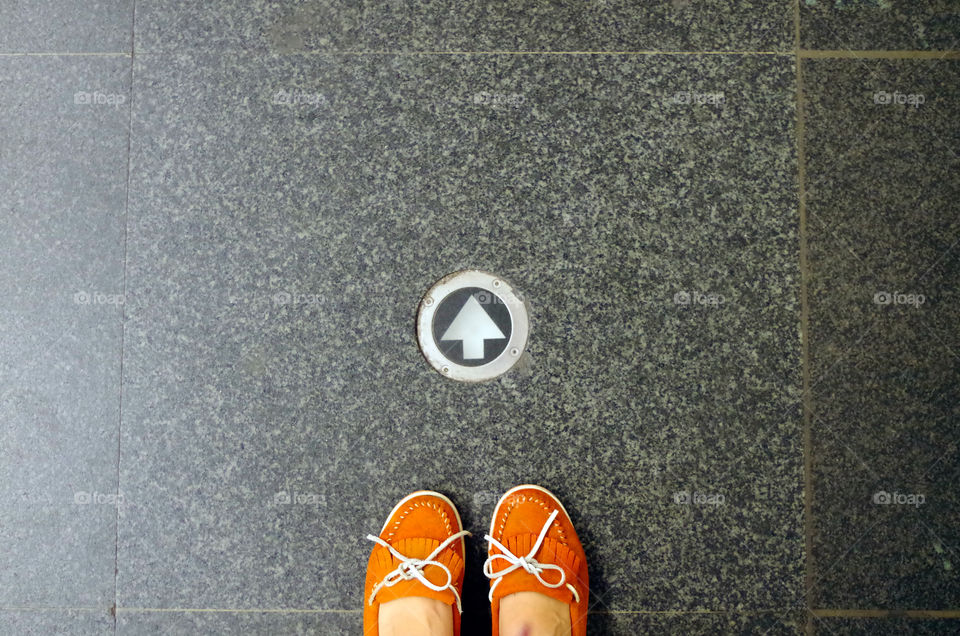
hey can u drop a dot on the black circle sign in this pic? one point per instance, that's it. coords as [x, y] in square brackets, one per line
[472, 326]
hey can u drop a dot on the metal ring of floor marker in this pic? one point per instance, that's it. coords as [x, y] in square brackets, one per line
[519, 325]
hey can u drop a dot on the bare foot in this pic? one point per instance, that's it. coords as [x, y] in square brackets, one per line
[415, 616]
[533, 614]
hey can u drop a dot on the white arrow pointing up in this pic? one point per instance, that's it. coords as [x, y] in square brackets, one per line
[472, 326]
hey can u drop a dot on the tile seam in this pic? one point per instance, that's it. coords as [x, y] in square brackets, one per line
[802, 53]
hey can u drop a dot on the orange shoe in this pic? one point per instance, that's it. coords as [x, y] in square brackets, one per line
[420, 552]
[534, 548]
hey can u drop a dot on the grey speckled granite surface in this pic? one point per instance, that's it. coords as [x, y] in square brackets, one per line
[56, 622]
[61, 268]
[888, 626]
[880, 24]
[785, 623]
[586, 186]
[246, 623]
[267, 624]
[884, 231]
[494, 25]
[62, 26]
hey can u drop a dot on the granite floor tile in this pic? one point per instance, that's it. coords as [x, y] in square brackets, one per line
[56, 622]
[788, 623]
[247, 623]
[61, 260]
[344, 623]
[351, 622]
[61, 26]
[880, 24]
[887, 626]
[405, 25]
[884, 239]
[288, 212]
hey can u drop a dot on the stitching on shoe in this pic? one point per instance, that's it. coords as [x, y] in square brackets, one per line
[522, 499]
[430, 504]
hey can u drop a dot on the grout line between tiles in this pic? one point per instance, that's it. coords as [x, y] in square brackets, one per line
[275, 610]
[802, 53]
[880, 613]
[806, 399]
[820, 613]
[65, 54]
[879, 54]
[695, 612]
[229, 610]
[18, 608]
[123, 316]
[506, 52]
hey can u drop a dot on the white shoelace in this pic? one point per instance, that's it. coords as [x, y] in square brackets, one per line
[527, 563]
[410, 569]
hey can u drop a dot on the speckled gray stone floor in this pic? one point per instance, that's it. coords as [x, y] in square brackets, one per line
[46, 621]
[325, 396]
[61, 271]
[887, 627]
[448, 25]
[885, 275]
[217, 220]
[880, 24]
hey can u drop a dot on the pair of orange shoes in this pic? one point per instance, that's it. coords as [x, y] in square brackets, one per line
[532, 548]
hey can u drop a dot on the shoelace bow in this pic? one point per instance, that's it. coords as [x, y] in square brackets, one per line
[410, 569]
[528, 563]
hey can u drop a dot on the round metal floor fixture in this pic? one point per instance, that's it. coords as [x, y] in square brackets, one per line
[472, 326]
